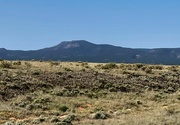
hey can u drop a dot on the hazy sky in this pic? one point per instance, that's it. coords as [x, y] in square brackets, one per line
[35, 24]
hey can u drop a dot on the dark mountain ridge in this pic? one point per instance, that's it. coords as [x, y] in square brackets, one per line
[81, 50]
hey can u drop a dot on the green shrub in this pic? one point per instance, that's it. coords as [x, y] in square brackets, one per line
[83, 70]
[109, 66]
[143, 68]
[63, 108]
[84, 64]
[39, 120]
[36, 72]
[87, 66]
[69, 119]
[18, 63]
[139, 65]
[178, 98]
[159, 67]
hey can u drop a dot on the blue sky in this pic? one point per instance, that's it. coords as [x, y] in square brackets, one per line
[35, 24]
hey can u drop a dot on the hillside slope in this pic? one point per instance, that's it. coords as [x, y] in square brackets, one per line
[81, 50]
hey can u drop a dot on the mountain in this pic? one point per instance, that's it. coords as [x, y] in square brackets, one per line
[81, 50]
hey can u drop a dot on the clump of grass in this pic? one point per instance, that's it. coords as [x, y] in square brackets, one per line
[28, 64]
[171, 110]
[66, 121]
[147, 69]
[53, 63]
[41, 60]
[98, 66]
[170, 90]
[39, 120]
[173, 68]
[10, 123]
[178, 97]
[21, 122]
[5, 64]
[131, 104]
[54, 119]
[68, 69]
[99, 115]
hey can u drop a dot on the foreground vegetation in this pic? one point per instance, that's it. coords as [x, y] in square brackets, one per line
[81, 93]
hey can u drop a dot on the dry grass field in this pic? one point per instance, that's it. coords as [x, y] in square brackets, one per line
[81, 93]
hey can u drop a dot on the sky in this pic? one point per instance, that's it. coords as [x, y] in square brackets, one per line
[36, 24]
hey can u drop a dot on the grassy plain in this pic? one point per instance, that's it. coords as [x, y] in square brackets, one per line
[81, 93]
